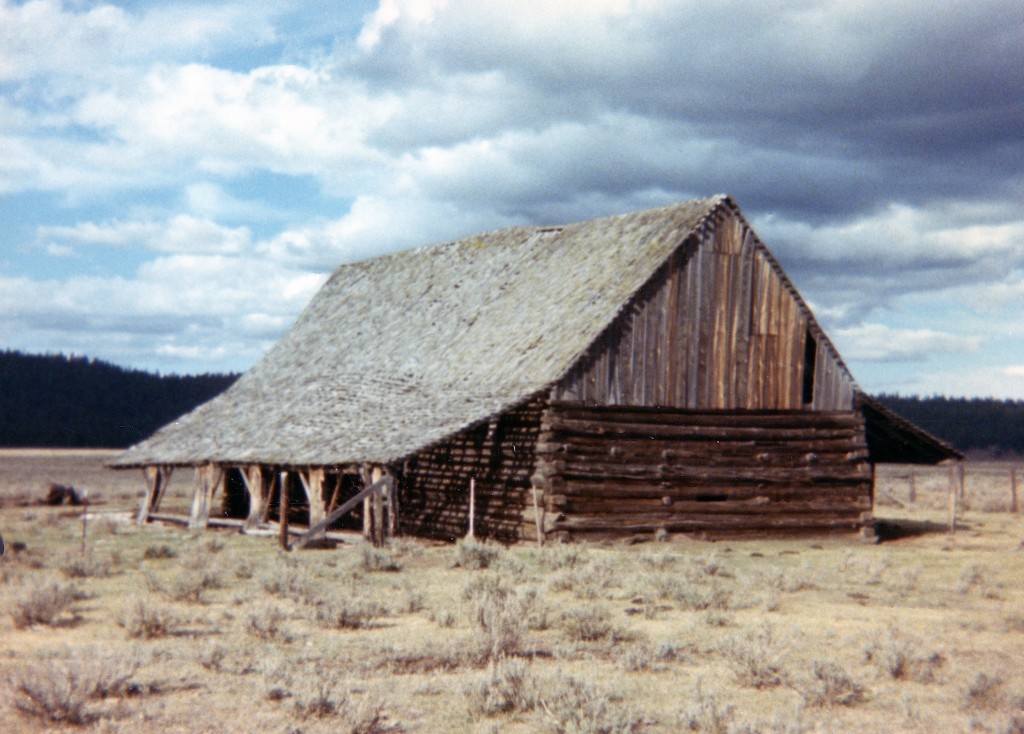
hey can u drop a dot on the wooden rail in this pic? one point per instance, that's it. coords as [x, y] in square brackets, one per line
[375, 489]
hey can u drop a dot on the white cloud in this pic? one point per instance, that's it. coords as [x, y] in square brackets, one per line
[888, 184]
[880, 343]
[901, 234]
[172, 306]
[181, 233]
[375, 225]
[45, 37]
[1003, 383]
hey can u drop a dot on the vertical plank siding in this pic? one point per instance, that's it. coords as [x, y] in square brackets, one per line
[718, 327]
[613, 470]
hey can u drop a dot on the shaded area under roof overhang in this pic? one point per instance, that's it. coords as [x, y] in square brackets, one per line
[894, 440]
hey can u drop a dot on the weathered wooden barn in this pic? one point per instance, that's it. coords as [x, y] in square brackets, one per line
[616, 376]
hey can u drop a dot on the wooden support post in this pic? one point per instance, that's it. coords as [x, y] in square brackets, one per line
[364, 473]
[339, 480]
[313, 484]
[961, 480]
[472, 506]
[1014, 507]
[282, 537]
[198, 497]
[167, 471]
[378, 508]
[394, 504]
[252, 477]
[268, 494]
[152, 475]
[199, 516]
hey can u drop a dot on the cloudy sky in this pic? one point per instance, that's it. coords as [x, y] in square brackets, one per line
[177, 180]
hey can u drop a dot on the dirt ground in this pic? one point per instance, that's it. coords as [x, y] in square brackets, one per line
[155, 629]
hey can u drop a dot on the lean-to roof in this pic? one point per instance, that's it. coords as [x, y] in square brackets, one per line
[398, 352]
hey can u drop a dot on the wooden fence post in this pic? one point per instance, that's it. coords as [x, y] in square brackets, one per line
[85, 517]
[282, 510]
[472, 506]
[952, 500]
[1014, 507]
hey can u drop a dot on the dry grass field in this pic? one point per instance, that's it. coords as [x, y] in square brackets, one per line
[153, 629]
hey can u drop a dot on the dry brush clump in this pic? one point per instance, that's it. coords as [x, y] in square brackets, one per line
[319, 697]
[501, 617]
[190, 586]
[559, 556]
[266, 622]
[444, 617]
[704, 584]
[590, 581]
[65, 691]
[86, 565]
[706, 715]
[900, 656]
[508, 686]
[145, 620]
[348, 612]
[984, 691]
[328, 704]
[159, 552]
[644, 657]
[975, 576]
[703, 566]
[570, 705]
[474, 555]
[831, 685]
[756, 657]
[377, 560]
[45, 603]
[589, 624]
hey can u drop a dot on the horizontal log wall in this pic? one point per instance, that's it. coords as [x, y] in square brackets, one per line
[719, 326]
[617, 470]
[435, 482]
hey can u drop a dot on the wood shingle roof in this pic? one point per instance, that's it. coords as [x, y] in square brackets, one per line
[398, 352]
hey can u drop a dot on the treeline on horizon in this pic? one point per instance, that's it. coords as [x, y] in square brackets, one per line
[982, 427]
[59, 401]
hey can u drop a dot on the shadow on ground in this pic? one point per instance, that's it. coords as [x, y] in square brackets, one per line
[889, 530]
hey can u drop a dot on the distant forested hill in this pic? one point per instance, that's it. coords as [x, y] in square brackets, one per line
[72, 402]
[973, 425]
[59, 401]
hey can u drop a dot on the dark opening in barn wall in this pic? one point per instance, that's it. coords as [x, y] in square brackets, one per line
[338, 488]
[235, 502]
[810, 356]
